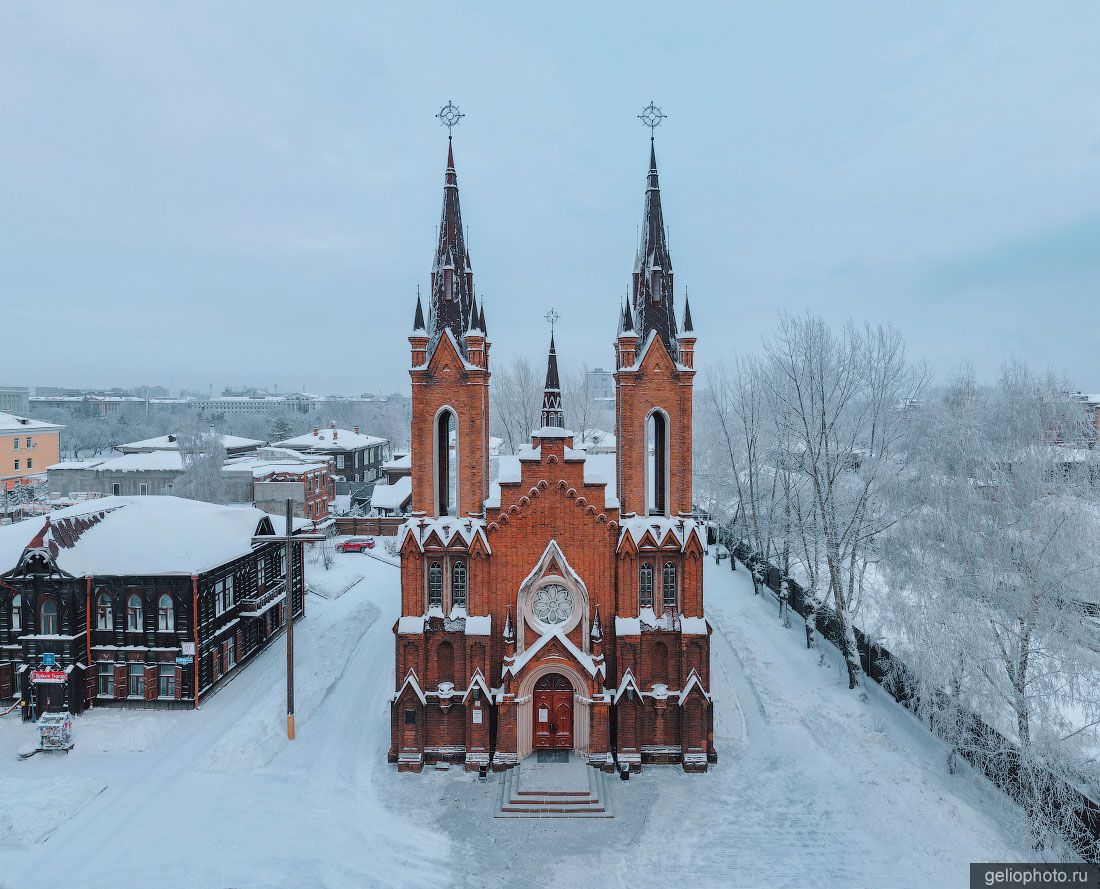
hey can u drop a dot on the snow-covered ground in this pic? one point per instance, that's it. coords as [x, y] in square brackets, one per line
[814, 788]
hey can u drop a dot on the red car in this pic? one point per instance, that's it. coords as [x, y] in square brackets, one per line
[356, 545]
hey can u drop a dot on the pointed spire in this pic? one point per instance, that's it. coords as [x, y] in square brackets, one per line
[597, 631]
[653, 277]
[688, 328]
[552, 414]
[481, 319]
[473, 325]
[509, 633]
[418, 318]
[451, 301]
[628, 318]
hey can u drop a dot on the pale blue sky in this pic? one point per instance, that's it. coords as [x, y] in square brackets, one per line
[195, 189]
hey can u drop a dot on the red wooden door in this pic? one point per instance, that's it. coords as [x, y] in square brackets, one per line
[553, 713]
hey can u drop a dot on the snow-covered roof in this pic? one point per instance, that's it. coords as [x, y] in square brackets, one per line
[269, 460]
[171, 443]
[14, 423]
[446, 528]
[392, 496]
[332, 440]
[521, 660]
[78, 464]
[399, 461]
[598, 469]
[659, 527]
[136, 536]
[591, 439]
[143, 462]
[552, 432]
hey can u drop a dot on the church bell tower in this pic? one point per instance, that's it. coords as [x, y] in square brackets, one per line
[450, 377]
[654, 375]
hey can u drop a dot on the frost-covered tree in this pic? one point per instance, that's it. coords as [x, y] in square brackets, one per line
[202, 453]
[995, 570]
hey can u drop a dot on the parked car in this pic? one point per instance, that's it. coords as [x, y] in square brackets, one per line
[356, 545]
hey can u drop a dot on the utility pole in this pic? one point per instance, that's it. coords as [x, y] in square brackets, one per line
[288, 539]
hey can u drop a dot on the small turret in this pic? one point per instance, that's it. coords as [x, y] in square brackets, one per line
[552, 414]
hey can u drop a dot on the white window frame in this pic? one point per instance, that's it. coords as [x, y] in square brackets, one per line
[104, 621]
[54, 618]
[143, 489]
[166, 617]
[166, 671]
[17, 611]
[134, 615]
[105, 670]
[130, 675]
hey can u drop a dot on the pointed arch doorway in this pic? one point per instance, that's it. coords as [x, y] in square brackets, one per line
[553, 713]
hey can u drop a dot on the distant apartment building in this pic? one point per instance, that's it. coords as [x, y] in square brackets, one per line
[15, 399]
[601, 384]
[265, 477]
[27, 447]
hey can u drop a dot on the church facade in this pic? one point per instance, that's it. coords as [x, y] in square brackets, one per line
[559, 606]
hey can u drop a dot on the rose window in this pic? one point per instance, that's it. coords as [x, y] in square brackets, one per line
[552, 604]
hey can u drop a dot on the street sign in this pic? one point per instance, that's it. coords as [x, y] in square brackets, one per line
[49, 659]
[185, 661]
[54, 676]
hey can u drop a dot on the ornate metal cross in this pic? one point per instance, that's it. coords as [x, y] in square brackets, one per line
[553, 318]
[449, 116]
[652, 116]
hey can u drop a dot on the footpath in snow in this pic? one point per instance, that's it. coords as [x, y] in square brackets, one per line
[813, 787]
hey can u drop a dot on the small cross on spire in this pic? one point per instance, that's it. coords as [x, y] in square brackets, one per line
[449, 116]
[552, 317]
[652, 116]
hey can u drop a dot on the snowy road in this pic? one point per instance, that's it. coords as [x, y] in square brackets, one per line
[814, 788]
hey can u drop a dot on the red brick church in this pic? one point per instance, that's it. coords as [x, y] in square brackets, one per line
[559, 607]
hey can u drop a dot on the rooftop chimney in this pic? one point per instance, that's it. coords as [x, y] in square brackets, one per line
[356, 428]
[316, 431]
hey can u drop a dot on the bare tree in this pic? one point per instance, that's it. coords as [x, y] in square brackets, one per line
[839, 401]
[515, 401]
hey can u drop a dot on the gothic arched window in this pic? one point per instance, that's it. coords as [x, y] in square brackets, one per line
[458, 585]
[668, 588]
[166, 613]
[645, 585]
[17, 612]
[48, 613]
[656, 469]
[134, 616]
[435, 585]
[104, 612]
[446, 462]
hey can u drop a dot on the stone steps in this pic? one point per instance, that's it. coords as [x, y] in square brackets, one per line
[527, 795]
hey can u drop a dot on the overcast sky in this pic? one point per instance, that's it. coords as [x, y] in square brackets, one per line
[222, 193]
